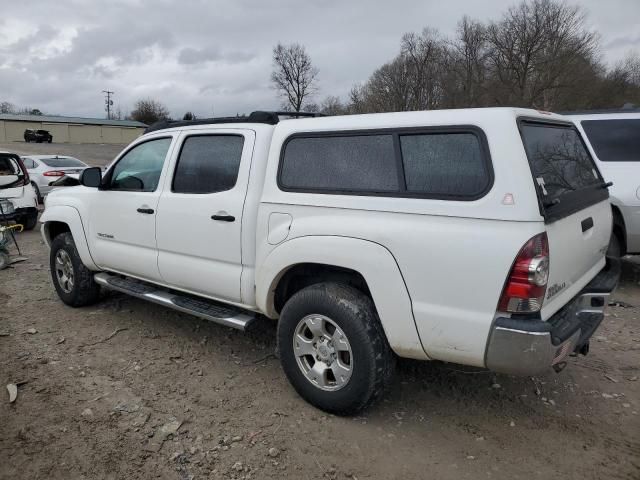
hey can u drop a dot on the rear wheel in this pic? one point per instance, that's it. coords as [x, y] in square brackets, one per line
[72, 280]
[333, 349]
[37, 190]
[615, 247]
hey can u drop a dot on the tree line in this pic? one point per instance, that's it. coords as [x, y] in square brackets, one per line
[539, 54]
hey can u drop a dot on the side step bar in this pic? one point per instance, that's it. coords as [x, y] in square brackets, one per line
[207, 309]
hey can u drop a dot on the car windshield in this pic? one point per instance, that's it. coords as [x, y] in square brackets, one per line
[63, 162]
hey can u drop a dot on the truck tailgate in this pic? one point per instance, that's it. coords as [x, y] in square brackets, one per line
[577, 245]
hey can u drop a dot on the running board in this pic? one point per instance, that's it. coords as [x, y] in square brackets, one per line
[207, 309]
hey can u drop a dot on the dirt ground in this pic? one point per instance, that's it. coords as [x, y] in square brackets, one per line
[128, 389]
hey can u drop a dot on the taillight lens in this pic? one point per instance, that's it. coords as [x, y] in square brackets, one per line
[53, 173]
[527, 281]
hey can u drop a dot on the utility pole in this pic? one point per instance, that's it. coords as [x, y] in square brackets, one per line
[108, 103]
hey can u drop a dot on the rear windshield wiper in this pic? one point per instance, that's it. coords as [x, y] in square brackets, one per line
[550, 203]
[605, 184]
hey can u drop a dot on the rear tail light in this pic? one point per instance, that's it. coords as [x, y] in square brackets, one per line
[53, 173]
[527, 281]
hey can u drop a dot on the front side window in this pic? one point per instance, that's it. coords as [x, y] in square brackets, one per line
[208, 164]
[614, 140]
[354, 163]
[139, 169]
[444, 164]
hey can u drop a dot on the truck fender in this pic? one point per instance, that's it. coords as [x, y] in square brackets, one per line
[71, 217]
[374, 262]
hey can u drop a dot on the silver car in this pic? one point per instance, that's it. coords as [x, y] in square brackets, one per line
[44, 169]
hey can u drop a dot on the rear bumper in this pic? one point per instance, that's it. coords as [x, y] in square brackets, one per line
[527, 347]
[18, 213]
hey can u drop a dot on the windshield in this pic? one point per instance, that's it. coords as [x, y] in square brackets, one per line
[614, 140]
[63, 162]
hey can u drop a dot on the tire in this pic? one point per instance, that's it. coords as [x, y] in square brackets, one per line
[50, 140]
[615, 247]
[37, 190]
[340, 312]
[29, 222]
[82, 290]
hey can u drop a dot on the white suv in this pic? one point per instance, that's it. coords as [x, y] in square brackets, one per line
[613, 139]
[470, 236]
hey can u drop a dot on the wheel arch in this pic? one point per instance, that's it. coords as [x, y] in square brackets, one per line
[619, 228]
[60, 219]
[366, 265]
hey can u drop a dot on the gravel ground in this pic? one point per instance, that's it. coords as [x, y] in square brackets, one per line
[128, 389]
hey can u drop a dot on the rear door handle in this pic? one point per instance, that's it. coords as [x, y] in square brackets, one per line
[223, 218]
[148, 211]
[587, 224]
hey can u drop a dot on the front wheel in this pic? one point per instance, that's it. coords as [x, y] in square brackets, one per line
[333, 349]
[72, 280]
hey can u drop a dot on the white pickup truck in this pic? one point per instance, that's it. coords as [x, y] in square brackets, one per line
[473, 236]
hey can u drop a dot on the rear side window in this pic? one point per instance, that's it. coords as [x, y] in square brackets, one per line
[614, 140]
[208, 164]
[425, 163]
[447, 164]
[353, 163]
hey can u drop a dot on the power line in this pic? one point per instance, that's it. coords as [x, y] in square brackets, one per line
[108, 103]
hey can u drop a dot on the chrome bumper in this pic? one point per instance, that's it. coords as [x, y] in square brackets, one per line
[528, 347]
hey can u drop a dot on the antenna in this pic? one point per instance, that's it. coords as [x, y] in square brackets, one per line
[108, 103]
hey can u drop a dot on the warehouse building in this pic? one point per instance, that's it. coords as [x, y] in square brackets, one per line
[70, 129]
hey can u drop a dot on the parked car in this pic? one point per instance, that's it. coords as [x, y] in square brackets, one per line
[46, 169]
[18, 201]
[473, 236]
[38, 136]
[613, 139]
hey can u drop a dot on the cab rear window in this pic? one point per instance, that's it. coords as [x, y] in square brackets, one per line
[565, 175]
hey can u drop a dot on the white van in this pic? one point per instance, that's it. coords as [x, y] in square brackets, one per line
[613, 138]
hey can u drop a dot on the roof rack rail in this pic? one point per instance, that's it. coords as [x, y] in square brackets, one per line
[259, 116]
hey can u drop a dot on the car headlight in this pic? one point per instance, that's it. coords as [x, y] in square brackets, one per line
[7, 207]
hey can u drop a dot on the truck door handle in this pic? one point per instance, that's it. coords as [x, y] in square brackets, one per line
[587, 224]
[145, 210]
[223, 218]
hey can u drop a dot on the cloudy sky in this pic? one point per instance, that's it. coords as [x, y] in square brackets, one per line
[215, 56]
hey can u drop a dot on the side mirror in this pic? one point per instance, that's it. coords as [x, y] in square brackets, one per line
[91, 177]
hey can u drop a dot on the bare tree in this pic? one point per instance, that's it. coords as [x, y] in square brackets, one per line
[293, 76]
[149, 111]
[332, 105]
[7, 107]
[188, 116]
[535, 50]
